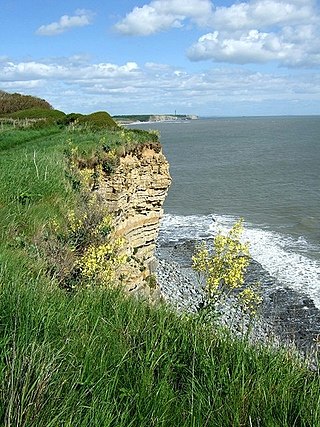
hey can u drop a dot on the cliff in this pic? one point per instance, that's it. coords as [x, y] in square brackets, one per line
[164, 118]
[153, 118]
[135, 193]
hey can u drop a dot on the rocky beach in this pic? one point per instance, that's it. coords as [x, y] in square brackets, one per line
[285, 317]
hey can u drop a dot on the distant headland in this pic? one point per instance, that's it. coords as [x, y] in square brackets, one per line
[146, 118]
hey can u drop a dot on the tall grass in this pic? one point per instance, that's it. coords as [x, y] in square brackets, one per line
[96, 357]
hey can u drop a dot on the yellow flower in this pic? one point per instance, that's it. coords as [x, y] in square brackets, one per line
[101, 262]
[223, 270]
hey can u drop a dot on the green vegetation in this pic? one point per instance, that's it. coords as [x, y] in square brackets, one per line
[40, 117]
[49, 215]
[12, 102]
[97, 358]
[92, 356]
[98, 120]
[38, 113]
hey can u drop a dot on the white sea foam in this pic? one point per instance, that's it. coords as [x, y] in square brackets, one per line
[282, 256]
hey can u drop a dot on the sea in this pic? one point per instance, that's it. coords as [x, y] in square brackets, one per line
[265, 170]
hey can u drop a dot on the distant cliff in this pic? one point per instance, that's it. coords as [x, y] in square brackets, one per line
[162, 118]
[127, 119]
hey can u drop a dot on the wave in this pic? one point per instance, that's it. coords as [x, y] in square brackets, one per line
[285, 258]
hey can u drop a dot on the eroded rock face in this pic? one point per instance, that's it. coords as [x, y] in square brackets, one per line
[135, 194]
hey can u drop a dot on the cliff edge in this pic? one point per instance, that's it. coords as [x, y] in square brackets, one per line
[134, 193]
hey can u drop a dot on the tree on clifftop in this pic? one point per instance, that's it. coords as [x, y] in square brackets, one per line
[12, 102]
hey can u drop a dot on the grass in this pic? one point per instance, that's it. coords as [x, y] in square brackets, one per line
[98, 358]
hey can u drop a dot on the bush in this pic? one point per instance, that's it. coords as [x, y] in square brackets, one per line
[98, 120]
[223, 269]
[12, 102]
[68, 119]
[39, 113]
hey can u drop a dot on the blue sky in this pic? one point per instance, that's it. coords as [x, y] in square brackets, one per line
[211, 58]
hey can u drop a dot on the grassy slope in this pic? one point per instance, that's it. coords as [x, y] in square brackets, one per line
[97, 358]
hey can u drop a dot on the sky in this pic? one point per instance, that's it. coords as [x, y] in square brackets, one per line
[203, 57]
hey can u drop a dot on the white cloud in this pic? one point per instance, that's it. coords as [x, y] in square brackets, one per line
[292, 47]
[260, 31]
[81, 18]
[22, 85]
[158, 88]
[262, 13]
[11, 71]
[252, 46]
[252, 31]
[160, 15]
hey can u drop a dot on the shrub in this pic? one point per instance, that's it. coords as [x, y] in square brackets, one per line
[39, 113]
[69, 119]
[98, 120]
[12, 102]
[223, 269]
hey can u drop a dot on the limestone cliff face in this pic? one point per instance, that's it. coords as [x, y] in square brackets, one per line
[135, 193]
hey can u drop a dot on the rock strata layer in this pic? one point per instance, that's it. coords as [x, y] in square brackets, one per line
[135, 193]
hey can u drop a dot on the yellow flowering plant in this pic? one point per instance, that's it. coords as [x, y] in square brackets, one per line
[100, 263]
[250, 299]
[83, 249]
[222, 270]
[97, 253]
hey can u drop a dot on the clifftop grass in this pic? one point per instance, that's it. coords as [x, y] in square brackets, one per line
[98, 358]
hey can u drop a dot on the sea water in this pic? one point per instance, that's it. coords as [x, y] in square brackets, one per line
[263, 169]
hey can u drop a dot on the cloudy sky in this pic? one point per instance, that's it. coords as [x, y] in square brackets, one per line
[211, 58]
